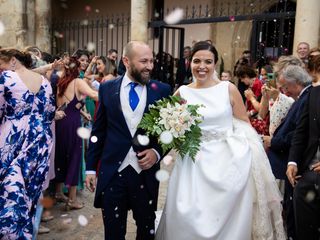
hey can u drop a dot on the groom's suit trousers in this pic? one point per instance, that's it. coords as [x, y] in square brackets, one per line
[127, 190]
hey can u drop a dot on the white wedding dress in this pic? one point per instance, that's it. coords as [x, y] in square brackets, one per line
[229, 192]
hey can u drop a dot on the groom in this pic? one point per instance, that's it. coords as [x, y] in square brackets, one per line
[126, 175]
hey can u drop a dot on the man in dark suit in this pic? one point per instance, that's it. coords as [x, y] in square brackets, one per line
[183, 75]
[295, 82]
[303, 169]
[126, 176]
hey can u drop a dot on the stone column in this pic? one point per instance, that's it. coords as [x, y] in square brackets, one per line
[307, 23]
[139, 20]
[20, 16]
[42, 23]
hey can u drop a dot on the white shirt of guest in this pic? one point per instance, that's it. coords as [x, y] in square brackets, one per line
[132, 118]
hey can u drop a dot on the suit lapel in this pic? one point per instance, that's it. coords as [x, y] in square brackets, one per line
[116, 107]
[152, 94]
[150, 98]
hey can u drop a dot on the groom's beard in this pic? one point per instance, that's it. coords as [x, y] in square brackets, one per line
[142, 77]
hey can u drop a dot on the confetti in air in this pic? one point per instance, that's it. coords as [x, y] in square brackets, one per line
[166, 137]
[85, 22]
[143, 140]
[94, 139]
[83, 221]
[64, 5]
[2, 28]
[154, 86]
[162, 175]
[84, 133]
[67, 221]
[72, 65]
[111, 26]
[310, 196]
[167, 160]
[56, 34]
[87, 8]
[72, 44]
[232, 18]
[174, 17]
[91, 46]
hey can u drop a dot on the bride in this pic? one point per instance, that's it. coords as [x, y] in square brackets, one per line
[229, 192]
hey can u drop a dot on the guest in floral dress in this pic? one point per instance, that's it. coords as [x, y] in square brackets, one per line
[26, 113]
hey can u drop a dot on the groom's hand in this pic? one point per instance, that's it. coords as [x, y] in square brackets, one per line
[147, 159]
[90, 182]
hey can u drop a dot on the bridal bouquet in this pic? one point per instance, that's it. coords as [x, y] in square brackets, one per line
[175, 124]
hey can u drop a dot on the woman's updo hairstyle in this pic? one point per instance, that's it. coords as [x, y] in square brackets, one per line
[204, 45]
[6, 54]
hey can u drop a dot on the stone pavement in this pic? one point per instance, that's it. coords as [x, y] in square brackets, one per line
[65, 225]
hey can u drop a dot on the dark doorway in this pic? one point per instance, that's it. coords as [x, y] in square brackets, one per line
[168, 50]
[273, 37]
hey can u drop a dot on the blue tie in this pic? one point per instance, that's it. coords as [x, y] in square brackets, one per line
[133, 96]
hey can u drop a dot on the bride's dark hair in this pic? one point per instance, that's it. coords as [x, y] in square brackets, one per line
[204, 45]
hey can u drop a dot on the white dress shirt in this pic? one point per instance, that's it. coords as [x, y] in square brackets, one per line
[132, 118]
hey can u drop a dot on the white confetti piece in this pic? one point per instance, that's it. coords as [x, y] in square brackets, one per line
[94, 139]
[91, 46]
[67, 221]
[143, 140]
[174, 17]
[162, 175]
[310, 196]
[85, 22]
[166, 137]
[2, 28]
[83, 221]
[84, 133]
[167, 160]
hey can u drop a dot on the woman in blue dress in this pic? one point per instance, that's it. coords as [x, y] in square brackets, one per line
[26, 113]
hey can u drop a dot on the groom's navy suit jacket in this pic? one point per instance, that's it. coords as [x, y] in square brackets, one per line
[115, 140]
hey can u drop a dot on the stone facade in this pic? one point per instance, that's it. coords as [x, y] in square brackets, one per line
[26, 23]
